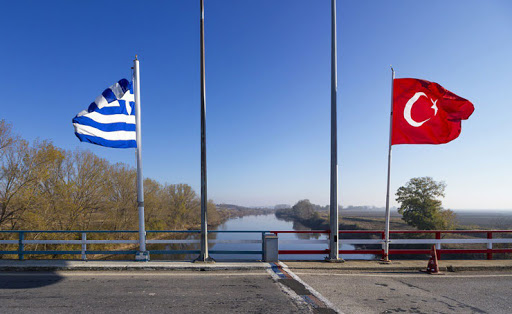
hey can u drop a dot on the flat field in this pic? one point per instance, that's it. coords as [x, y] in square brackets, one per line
[466, 219]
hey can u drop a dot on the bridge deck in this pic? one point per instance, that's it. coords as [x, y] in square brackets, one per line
[253, 287]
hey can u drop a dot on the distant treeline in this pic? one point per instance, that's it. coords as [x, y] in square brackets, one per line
[43, 187]
[317, 217]
[305, 213]
[341, 208]
[231, 210]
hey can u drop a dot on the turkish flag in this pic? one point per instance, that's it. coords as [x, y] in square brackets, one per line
[426, 113]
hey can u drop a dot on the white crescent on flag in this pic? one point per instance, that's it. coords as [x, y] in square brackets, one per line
[408, 109]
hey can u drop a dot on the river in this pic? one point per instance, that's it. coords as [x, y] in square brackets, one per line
[264, 223]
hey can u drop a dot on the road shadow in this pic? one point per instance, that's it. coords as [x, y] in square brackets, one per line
[393, 272]
[28, 280]
[30, 273]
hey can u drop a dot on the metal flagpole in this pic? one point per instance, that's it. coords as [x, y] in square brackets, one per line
[203, 257]
[386, 239]
[142, 255]
[333, 213]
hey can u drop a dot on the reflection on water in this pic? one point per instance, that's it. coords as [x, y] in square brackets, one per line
[254, 223]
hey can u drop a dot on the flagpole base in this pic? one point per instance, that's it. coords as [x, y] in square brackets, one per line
[142, 256]
[201, 259]
[385, 260]
[334, 260]
[425, 271]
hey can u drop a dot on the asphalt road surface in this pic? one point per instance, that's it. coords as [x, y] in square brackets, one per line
[254, 292]
[413, 292]
[144, 292]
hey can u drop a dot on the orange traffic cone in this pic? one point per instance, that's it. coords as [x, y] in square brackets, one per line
[433, 266]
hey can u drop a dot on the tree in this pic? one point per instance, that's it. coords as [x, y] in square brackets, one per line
[122, 197]
[6, 138]
[420, 207]
[43, 187]
[182, 205]
[21, 167]
[304, 210]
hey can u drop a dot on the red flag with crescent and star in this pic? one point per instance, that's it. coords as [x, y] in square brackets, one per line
[426, 113]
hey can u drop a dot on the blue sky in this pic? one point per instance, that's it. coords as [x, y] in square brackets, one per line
[268, 90]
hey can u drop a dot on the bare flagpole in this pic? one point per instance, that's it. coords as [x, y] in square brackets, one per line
[385, 258]
[333, 212]
[203, 257]
[142, 255]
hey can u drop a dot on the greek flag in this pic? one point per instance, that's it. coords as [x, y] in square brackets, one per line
[110, 119]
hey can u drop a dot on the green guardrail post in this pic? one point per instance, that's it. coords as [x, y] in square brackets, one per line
[21, 246]
[263, 246]
[84, 246]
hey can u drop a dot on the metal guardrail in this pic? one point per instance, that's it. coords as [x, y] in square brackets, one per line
[438, 241]
[84, 242]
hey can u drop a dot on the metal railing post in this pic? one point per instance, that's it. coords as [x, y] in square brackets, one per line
[84, 246]
[438, 245]
[263, 246]
[383, 236]
[21, 246]
[489, 246]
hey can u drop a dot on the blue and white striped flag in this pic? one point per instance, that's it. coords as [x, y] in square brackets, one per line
[110, 119]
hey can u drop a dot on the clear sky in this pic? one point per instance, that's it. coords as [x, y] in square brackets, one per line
[268, 90]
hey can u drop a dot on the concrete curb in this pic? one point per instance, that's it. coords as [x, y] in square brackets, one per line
[361, 268]
[446, 266]
[127, 266]
[49, 265]
[449, 268]
[32, 268]
[477, 268]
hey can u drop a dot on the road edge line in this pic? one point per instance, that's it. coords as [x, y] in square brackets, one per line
[317, 294]
[297, 299]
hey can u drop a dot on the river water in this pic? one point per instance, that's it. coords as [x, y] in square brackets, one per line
[264, 223]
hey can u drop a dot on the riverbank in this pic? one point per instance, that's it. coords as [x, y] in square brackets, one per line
[225, 213]
[320, 221]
